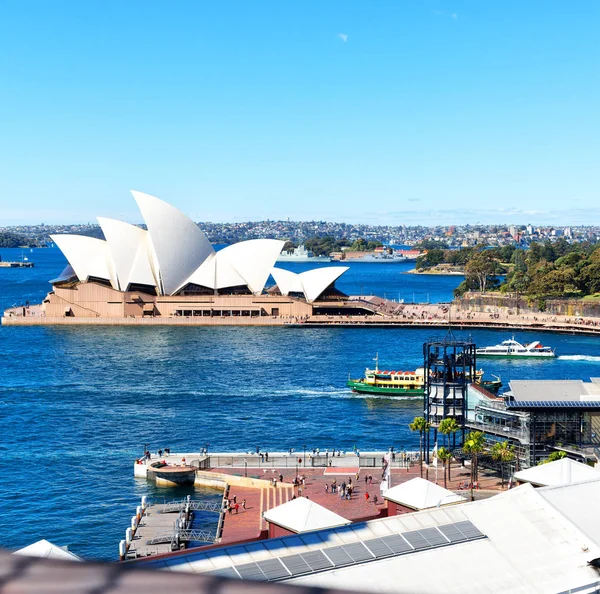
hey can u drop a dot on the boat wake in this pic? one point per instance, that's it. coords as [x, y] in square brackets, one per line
[591, 358]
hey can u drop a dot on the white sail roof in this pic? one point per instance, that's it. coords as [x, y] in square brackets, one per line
[245, 263]
[88, 256]
[252, 260]
[317, 280]
[216, 272]
[179, 246]
[312, 282]
[129, 249]
[287, 282]
[174, 252]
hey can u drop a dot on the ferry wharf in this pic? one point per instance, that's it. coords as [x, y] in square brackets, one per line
[252, 485]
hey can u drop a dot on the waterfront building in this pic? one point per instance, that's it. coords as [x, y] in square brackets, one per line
[171, 270]
[540, 416]
[523, 540]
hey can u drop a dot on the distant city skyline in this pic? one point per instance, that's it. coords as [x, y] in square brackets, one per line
[394, 113]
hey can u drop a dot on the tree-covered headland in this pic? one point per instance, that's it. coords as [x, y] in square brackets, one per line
[546, 270]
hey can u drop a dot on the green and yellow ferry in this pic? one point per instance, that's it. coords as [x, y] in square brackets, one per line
[405, 383]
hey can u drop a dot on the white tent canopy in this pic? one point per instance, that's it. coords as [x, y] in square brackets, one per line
[559, 472]
[303, 515]
[421, 494]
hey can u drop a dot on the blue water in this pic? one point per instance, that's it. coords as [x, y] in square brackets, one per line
[78, 404]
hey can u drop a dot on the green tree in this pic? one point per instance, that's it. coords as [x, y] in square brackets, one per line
[473, 446]
[445, 456]
[504, 453]
[431, 244]
[421, 425]
[553, 457]
[447, 427]
[482, 267]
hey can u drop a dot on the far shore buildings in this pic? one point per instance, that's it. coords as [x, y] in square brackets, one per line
[171, 270]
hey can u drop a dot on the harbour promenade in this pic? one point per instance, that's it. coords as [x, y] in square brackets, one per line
[384, 314]
[255, 483]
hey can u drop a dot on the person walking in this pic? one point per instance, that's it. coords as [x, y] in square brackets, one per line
[244, 504]
[326, 488]
[367, 496]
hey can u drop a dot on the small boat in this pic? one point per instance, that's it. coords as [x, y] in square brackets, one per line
[512, 348]
[405, 383]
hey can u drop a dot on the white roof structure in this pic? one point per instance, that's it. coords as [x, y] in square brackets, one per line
[520, 543]
[567, 500]
[128, 246]
[174, 253]
[178, 244]
[419, 494]
[245, 263]
[46, 550]
[560, 472]
[88, 256]
[312, 282]
[304, 515]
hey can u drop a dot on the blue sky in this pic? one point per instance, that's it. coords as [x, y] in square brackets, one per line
[378, 112]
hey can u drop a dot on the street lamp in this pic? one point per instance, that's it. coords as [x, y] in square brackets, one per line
[246, 468]
[304, 457]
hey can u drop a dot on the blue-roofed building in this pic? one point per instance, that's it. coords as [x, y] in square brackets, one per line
[541, 416]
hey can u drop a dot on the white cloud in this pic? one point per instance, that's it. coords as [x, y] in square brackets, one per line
[343, 37]
[454, 15]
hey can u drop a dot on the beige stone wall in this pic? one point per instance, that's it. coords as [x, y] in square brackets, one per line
[93, 300]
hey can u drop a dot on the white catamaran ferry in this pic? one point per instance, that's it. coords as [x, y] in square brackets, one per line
[512, 348]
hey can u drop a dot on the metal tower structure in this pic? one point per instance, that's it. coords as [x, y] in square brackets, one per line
[450, 366]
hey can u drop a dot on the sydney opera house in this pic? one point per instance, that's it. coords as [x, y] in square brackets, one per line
[170, 271]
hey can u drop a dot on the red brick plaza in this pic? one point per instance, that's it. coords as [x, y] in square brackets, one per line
[248, 524]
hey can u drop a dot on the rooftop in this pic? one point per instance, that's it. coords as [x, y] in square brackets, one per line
[304, 515]
[558, 473]
[421, 494]
[517, 541]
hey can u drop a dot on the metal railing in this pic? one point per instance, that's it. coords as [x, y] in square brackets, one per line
[183, 536]
[192, 504]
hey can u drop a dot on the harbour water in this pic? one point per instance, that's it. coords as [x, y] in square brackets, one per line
[78, 404]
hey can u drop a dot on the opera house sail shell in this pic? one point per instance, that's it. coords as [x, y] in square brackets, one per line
[169, 269]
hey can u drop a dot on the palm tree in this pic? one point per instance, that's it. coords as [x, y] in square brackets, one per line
[421, 425]
[448, 426]
[445, 456]
[473, 446]
[553, 457]
[503, 453]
